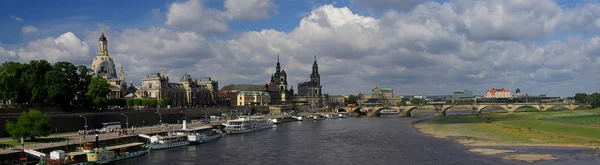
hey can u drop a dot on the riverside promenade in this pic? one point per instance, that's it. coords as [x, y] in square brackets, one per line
[73, 138]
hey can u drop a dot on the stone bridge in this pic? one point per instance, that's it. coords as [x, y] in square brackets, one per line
[441, 109]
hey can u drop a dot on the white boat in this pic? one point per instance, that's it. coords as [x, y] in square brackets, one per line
[343, 115]
[248, 124]
[332, 116]
[318, 117]
[299, 118]
[161, 142]
[200, 134]
[276, 120]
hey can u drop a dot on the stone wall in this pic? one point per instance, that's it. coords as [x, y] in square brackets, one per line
[71, 122]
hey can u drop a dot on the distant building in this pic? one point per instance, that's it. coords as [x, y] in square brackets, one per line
[277, 87]
[518, 93]
[335, 100]
[497, 93]
[379, 96]
[420, 97]
[186, 92]
[460, 97]
[104, 66]
[311, 91]
[253, 98]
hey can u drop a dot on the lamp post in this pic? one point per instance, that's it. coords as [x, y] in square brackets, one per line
[126, 120]
[159, 118]
[204, 114]
[86, 127]
[184, 115]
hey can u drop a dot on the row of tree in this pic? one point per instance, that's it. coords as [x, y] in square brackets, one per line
[39, 82]
[592, 99]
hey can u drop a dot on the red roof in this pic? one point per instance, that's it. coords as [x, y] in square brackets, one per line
[493, 91]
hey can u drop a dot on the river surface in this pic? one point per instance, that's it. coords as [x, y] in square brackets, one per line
[383, 140]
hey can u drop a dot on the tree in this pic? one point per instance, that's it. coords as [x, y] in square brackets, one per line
[417, 101]
[97, 91]
[34, 78]
[581, 98]
[84, 78]
[594, 99]
[402, 102]
[138, 102]
[59, 83]
[11, 87]
[30, 124]
[352, 99]
[129, 102]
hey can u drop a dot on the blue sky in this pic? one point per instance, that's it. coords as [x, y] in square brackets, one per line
[545, 42]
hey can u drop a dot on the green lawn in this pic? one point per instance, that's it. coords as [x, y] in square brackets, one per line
[523, 127]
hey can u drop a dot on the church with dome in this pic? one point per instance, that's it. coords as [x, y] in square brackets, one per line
[104, 66]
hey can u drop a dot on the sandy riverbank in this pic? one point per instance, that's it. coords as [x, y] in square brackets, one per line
[512, 130]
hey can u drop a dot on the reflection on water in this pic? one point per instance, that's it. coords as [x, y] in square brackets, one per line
[384, 140]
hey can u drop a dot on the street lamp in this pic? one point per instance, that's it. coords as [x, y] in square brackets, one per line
[204, 114]
[126, 120]
[86, 127]
[159, 118]
[184, 114]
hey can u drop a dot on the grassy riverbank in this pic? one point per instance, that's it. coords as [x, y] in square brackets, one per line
[580, 128]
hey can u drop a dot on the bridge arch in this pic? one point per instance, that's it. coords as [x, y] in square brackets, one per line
[537, 109]
[377, 112]
[560, 107]
[409, 110]
[341, 110]
[481, 108]
[578, 106]
[360, 111]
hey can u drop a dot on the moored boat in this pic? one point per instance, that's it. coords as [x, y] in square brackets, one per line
[201, 134]
[247, 124]
[162, 142]
[332, 116]
[343, 115]
[318, 117]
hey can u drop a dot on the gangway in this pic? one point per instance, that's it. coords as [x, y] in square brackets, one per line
[144, 136]
[35, 154]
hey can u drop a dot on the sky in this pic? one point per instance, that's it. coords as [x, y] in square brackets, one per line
[417, 47]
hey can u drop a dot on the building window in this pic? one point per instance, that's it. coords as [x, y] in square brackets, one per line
[149, 85]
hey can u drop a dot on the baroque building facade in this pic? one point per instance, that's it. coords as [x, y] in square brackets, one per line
[277, 87]
[379, 96]
[103, 66]
[311, 91]
[187, 92]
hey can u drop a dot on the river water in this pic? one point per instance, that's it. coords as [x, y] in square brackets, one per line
[383, 140]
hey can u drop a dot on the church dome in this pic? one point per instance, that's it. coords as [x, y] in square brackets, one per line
[283, 73]
[102, 37]
[518, 90]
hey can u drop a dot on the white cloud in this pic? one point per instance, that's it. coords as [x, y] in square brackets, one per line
[192, 15]
[67, 47]
[249, 9]
[431, 49]
[585, 17]
[29, 29]
[7, 55]
[14, 17]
